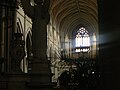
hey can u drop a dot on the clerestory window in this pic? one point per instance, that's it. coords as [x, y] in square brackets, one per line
[82, 40]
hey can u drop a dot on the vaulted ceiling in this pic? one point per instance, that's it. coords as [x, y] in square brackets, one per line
[66, 15]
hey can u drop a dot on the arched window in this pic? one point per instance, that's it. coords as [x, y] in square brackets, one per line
[82, 40]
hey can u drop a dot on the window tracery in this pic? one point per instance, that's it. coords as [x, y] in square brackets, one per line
[82, 40]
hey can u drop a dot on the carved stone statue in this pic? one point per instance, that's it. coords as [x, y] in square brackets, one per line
[33, 7]
[18, 52]
[40, 18]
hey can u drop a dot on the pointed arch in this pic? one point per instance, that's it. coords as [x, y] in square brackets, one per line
[29, 44]
[82, 40]
[19, 28]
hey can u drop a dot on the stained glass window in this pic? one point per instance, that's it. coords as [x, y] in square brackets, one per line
[82, 40]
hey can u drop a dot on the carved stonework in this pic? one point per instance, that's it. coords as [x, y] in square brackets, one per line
[18, 52]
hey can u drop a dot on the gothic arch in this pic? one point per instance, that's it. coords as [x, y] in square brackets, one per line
[29, 44]
[19, 28]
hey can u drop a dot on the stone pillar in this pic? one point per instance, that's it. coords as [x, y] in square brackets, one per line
[1, 33]
[40, 74]
[40, 67]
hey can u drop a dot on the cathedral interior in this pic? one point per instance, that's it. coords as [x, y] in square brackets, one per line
[59, 44]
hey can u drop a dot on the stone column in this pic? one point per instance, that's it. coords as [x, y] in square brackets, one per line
[40, 74]
[1, 33]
